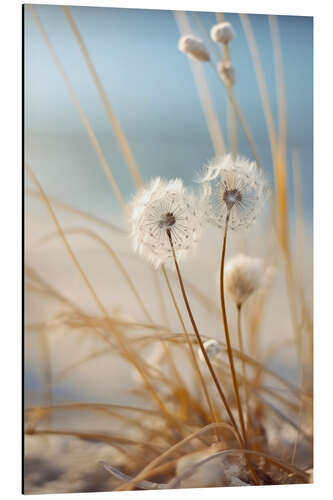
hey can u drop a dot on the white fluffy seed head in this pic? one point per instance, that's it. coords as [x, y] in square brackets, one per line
[222, 33]
[161, 208]
[242, 277]
[235, 185]
[194, 47]
[227, 72]
[212, 349]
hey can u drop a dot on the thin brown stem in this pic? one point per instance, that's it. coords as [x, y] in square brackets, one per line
[203, 350]
[193, 358]
[227, 335]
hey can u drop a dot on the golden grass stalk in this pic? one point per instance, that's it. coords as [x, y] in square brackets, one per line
[77, 211]
[280, 86]
[44, 287]
[119, 134]
[121, 267]
[38, 414]
[122, 141]
[83, 116]
[128, 354]
[299, 230]
[261, 83]
[132, 288]
[278, 148]
[203, 90]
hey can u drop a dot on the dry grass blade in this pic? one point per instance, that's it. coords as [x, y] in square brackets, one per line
[80, 110]
[157, 461]
[261, 83]
[204, 94]
[122, 141]
[280, 87]
[132, 357]
[121, 138]
[121, 267]
[77, 211]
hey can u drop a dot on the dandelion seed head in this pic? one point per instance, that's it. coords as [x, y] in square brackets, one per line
[194, 47]
[242, 277]
[160, 208]
[212, 349]
[222, 33]
[233, 185]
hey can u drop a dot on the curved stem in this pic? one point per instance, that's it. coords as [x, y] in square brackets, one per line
[192, 355]
[196, 331]
[227, 335]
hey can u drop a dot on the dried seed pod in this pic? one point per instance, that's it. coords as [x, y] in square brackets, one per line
[222, 33]
[193, 47]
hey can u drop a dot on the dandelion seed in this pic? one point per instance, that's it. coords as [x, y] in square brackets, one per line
[193, 47]
[222, 33]
[235, 186]
[160, 208]
[242, 277]
[227, 72]
[212, 349]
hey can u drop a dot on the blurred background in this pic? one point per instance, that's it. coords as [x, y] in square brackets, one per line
[152, 92]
